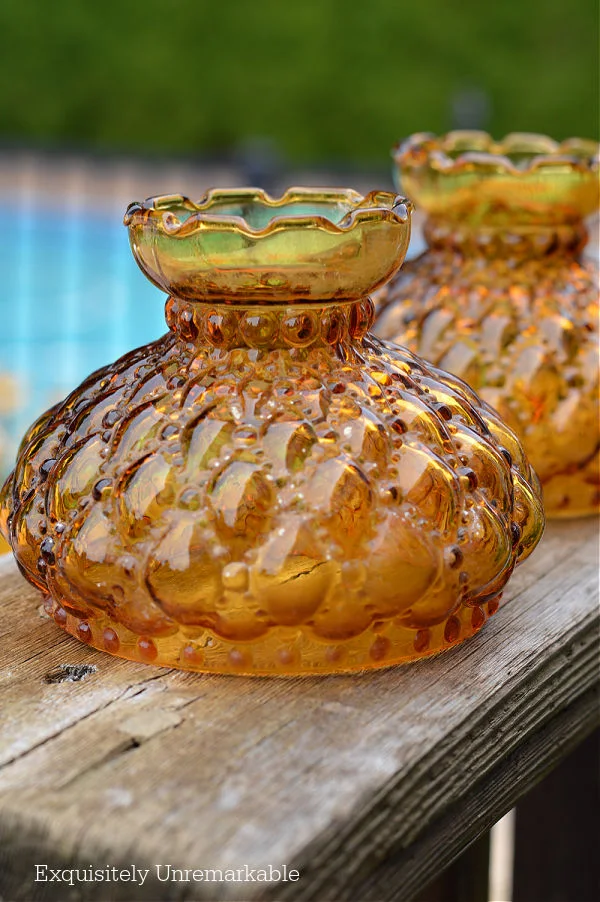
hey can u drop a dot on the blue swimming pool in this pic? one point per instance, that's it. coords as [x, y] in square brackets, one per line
[71, 300]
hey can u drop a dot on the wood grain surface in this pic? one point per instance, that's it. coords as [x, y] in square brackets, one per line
[368, 784]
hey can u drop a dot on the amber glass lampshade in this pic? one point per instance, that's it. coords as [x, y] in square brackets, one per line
[503, 297]
[269, 488]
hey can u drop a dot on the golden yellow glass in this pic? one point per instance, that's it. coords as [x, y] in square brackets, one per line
[502, 296]
[269, 488]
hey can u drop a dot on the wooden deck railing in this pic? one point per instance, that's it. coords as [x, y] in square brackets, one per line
[370, 786]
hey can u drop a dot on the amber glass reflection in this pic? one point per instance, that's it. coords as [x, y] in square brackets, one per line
[503, 297]
[269, 488]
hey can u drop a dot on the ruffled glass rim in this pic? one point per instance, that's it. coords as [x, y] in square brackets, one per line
[517, 154]
[178, 216]
[236, 245]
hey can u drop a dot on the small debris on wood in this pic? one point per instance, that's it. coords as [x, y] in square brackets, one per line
[69, 673]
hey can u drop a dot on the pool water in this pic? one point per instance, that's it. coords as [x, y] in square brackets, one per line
[72, 299]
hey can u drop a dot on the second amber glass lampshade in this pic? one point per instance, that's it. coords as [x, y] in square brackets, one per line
[503, 298]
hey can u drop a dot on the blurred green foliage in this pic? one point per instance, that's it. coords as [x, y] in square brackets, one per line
[323, 79]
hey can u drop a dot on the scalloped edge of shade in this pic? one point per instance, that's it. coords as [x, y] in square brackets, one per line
[433, 151]
[381, 206]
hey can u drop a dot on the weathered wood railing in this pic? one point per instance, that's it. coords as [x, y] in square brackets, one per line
[368, 785]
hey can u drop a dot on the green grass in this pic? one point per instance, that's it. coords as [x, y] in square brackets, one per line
[323, 79]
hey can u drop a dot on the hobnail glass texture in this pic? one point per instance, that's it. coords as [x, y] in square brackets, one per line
[269, 488]
[503, 298]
